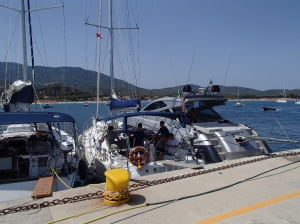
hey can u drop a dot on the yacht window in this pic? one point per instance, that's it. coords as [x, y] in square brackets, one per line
[211, 113]
[177, 109]
[196, 104]
[155, 105]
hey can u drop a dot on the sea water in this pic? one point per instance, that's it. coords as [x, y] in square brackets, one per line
[284, 123]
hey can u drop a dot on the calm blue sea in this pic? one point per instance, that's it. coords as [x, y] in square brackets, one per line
[284, 123]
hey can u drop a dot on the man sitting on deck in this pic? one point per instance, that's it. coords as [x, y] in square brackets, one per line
[111, 137]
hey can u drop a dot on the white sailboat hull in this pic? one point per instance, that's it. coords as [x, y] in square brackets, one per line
[100, 157]
[281, 101]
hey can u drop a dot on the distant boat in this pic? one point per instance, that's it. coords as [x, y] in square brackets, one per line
[268, 108]
[239, 104]
[85, 105]
[297, 102]
[283, 99]
[47, 106]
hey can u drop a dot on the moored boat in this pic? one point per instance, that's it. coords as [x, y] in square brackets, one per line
[239, 104]
[36, 145]
[47, 106]
[216, 138]
[36, 148]
[268, 108]
[139, 161]
[283, 99]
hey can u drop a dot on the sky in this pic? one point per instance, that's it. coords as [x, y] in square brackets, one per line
[246, 43]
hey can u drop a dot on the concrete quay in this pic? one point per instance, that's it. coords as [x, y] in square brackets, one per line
[249, 190]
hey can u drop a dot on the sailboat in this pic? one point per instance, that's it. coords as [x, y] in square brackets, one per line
[38, 150]
[239, 104]
[138, 161]
[283, 99]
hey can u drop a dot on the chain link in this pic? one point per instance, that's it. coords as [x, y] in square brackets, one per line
[45, 204]
[99, 194]
[183, 176]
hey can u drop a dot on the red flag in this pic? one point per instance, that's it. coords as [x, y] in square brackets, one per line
[99, 35]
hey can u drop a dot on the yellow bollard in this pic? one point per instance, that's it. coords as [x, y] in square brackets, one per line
[116, 192]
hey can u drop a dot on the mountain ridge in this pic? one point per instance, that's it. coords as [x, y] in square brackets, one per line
[85, 81]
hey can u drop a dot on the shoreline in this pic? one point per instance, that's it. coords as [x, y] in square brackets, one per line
[231, 100]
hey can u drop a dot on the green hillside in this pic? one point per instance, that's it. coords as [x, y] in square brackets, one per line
[81, 83]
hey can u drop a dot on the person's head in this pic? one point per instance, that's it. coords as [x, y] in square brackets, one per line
[110, 128]
[140, 126]
[171, 135]
[162, 123]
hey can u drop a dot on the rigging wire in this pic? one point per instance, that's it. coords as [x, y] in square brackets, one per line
[127, 64]
[191, 67]
[8, 46]
[165, 42]
[86, 16]
[42, 36]
[124, 50]
[131, 53]
[136, 19]
[226, 73]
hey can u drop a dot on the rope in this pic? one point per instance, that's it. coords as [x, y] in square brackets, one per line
[81, 213]
[60, 179]
[166, 202]
[123, 210]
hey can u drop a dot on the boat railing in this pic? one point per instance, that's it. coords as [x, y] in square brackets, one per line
[88, 124]
[276, 132]
[69, 129]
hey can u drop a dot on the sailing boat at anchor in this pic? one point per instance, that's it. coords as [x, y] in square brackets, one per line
[283, 99]
[239, 104]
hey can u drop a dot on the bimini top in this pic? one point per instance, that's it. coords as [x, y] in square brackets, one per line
[34, 117]
[124, 116]
[136, 114]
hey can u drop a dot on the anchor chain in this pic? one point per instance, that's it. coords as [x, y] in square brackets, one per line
[99, 194]
[45, 204]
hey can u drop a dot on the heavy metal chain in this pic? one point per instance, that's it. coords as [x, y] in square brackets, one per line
[99, 194]
[45, 204]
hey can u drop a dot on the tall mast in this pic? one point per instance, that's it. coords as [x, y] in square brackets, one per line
[24, 41]
[99, 42]
[111, 47]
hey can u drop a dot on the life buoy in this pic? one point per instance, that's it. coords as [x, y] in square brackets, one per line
[139, 156]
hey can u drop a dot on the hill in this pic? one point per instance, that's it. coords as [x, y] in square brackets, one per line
[84, 81]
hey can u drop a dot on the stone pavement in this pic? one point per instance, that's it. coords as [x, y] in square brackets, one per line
[237, 191]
